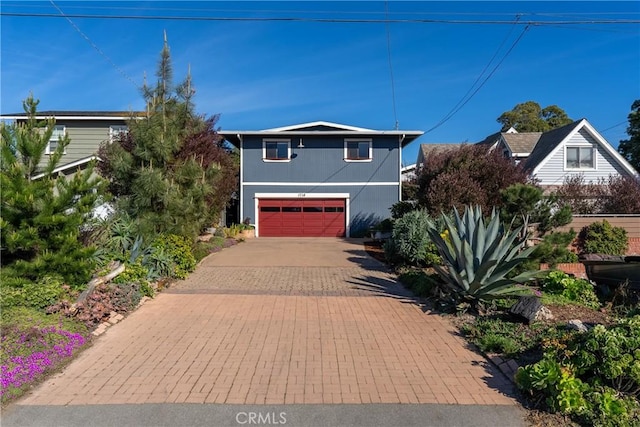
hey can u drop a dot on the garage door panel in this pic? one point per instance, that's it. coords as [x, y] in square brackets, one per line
[301, 217]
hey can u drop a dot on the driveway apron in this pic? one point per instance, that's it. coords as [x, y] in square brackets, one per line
[275, 321]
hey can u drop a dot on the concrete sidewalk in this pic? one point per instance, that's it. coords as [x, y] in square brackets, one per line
[247, 329]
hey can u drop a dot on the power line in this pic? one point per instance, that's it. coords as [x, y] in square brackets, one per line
[104, 55]
[327, 20]
[462, 104]
[615, 126]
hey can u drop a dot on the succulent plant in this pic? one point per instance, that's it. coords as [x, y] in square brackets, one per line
[478, 257]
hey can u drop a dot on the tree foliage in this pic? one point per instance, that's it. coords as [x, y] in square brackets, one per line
[630, 148]
[171, 171]
[531, 117]
[42, 212]
[469, 175]
[524, 204]
[614, 195]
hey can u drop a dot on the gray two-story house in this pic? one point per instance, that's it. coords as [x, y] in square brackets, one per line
[318, 179]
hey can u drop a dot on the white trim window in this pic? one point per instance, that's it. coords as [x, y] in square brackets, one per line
[358, 150]
[580, 157]
[276, 150]
[58, 133]
[115, 131]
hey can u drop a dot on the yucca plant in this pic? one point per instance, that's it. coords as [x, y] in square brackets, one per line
[478, 257]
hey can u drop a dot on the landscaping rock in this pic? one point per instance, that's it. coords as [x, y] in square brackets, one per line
[577, 325]
[531, 309]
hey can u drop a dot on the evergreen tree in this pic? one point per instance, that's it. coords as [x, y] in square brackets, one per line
[630, 148]
[166, 172]
[42, 213]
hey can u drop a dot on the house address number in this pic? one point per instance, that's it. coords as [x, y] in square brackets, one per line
[302, 194]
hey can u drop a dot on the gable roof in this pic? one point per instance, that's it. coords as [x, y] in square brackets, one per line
[552, 141]
[427, 149]
[521, 143]
[319, 127]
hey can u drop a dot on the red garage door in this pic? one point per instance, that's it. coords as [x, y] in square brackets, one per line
[301, 217]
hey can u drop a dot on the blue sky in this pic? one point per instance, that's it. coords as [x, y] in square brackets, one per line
[259, 73]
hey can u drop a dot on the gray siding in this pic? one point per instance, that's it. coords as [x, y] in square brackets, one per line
[368, 205]
[322, 160]
[86, 136]
[553, 173]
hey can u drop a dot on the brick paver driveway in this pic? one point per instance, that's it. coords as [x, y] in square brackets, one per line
[273, 321]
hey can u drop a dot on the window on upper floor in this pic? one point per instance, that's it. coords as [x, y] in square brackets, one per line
[358, 150]
[57, 135]
[116, 130]
[580, 158]
[276, 150]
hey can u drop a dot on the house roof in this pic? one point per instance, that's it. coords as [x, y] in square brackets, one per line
[426, 149]
[77, 115]
[554, 140]
[319, 127]
[521, 143]
[66, 166]
[548, 142]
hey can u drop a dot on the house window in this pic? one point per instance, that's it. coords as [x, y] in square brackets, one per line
[56, 136]
[116, 130]
[357, 150]
[580, 158]
[276, 150]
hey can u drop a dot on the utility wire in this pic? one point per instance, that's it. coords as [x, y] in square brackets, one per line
[615, 126]
[393, 86]
[460, 103]
[104, 55]
[468, 98]
[327, 20]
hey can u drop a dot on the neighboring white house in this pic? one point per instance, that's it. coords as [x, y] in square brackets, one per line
[408, 173]
[558, 154]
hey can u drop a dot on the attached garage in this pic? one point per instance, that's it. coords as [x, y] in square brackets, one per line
[301, 217]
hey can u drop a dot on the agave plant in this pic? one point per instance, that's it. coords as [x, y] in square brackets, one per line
[478, 257]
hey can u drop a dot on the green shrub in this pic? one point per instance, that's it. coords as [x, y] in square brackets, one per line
[602, 238]
[133, 273]
[553, 250]
[202, 249]
[399, 209]
[179, 249]
[421, 283]
[47, 291]
[575, 290]
[410, 243]
[592, 376]
[495, 335]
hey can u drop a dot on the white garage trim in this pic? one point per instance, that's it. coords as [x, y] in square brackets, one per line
[345, 196]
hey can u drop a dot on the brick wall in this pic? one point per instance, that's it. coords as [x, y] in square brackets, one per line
[634, 246]
[575, 268]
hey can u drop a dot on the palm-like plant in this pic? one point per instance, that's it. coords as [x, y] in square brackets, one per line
[478, 257]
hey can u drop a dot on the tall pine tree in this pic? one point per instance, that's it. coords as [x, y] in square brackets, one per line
[42, 212]
[167, 172]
